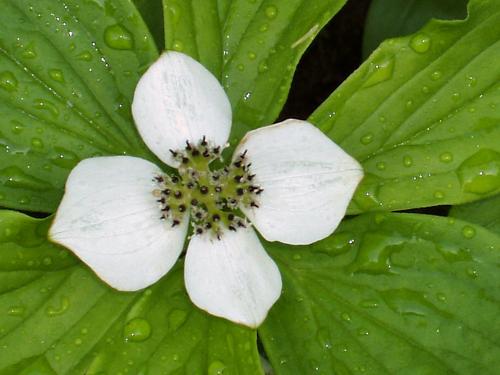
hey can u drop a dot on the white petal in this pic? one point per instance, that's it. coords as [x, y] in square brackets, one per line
[110, 219]
[233, 277]
[307, 179]
[178, 99]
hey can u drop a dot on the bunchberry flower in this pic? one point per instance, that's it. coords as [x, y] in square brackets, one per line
[128, 220]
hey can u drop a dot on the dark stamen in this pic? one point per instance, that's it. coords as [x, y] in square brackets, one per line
[203, 190]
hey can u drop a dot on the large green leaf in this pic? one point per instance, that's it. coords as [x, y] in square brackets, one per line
[421, 114]
[389, 18]
[56, 317]
[67, 74]
[485, 212]
[389, 294]
[252, 46]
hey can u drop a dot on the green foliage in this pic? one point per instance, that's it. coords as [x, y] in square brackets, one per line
[253, 47]
[421, 114]
[67, 75]
[485, 212]
[389, 294]
[389, 18]
[152, 13]
[58, 318]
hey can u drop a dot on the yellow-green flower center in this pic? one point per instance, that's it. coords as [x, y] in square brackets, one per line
[212, 197]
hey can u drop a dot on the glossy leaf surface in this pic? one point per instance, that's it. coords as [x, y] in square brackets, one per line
[67, 74]
[389, 294]
[56, 317]
[421, 114]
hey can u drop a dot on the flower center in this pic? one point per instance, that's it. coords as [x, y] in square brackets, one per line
[212, 196]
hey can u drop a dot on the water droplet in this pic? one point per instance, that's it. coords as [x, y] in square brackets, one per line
[425, 89]
[37, 143]
[409, 104]
[45, 105]
[16, 310]
[468, 232]
[78, 342]
[240, 67]
[176, 319]
[297, 256]
[446, 157]
[137, 330]
[407, 161]
[366, 139]
[56, 75]
[436, 75]
[381, 166]
[441, 297]
[471, 81]
[345, 316]
[379, 70]
[247, 96]
[216, 368]
[175, 11]
[58, 310]
[29, 52]
[438, 194]
[8, 81]
[480, 173]
[363, 332]
[16, 178]
[177, 45]
[271, 12]
[85, 56]
[420, 43]
[64, 158]
[367, 195]
[369, 303]
[455, 97]
[263, 67]
[263, 27]
[17, 128]
[118, 37]
[251, 55]
[47, 261]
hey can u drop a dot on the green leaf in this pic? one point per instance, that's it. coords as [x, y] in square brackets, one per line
[390, 18]
[253, 47]
[485, 212]
[152, 13]
[389, 294]
[67, 74]
[421, 114]
[56, 317]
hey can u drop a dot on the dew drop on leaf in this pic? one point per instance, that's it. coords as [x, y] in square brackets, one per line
[379, 70]
[14, 177]
[64, 158]
[178, 46]
[436, 75]
[60, 309]
[46, 105]
[16, 310]
[366, 139]
[84, 56]
[216, 368]
[468, 232]
[8, 81]
[118, 37]
[137, 330]
[176, 318]
[446, 157]
[480, 173]
[420, 43]
[271, 12]
[56, 75]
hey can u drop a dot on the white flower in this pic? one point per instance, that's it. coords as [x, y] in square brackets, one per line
[128, 220]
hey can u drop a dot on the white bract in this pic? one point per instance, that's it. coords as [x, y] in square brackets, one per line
[128, 220]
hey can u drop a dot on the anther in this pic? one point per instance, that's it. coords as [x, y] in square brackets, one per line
[238, 178]
[230, 217]
[215, 217]
[166, 208]
[204, 141]
[250, 177]
[218, 189]
[175, 179]
[190, 185]
[185, 160]
[188, 145]
[174, 154]
[232, 228]
[182, 208]
[199, 230]
[195, 152]
[206, 153]
[194, 202]
[241, 224]
[240, 191]
[259, 191]
[166, 191]
[198, 215]
[161, 200]
[203, 190]
[237, 164]
[178, 194]
[253, 204]
[208, 225]
[158, 178]
[216, 150]
[242, 155]
[175, 222]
